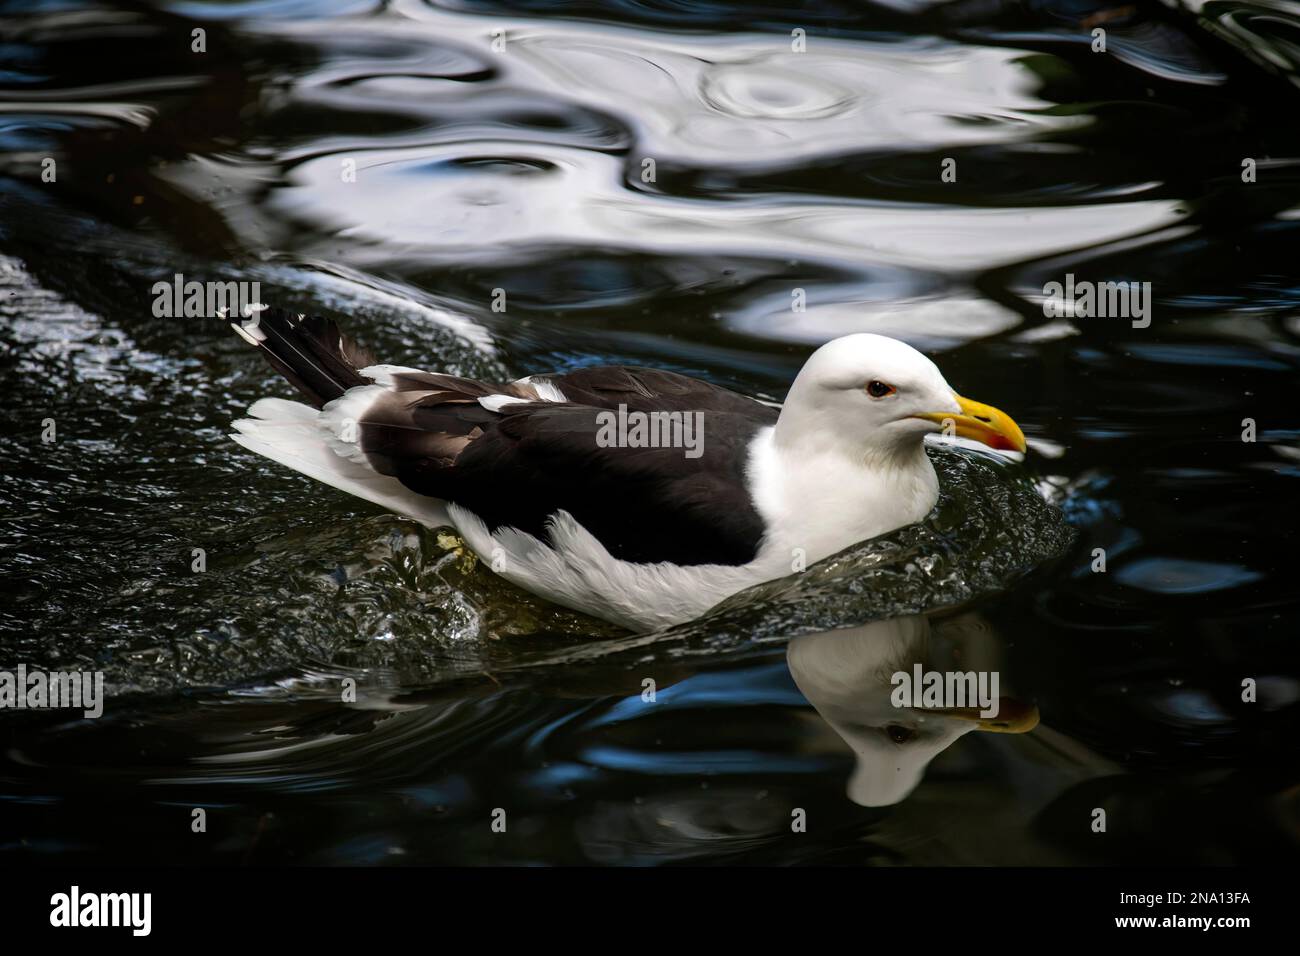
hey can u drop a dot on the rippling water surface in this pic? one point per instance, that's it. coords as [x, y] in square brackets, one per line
[649, 183]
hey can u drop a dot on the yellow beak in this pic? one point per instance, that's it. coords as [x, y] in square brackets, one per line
[982, 423]
[1014, 716]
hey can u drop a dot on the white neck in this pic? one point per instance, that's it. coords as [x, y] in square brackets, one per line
[819, 497]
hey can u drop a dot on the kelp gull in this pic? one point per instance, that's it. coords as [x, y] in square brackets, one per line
[543, 485]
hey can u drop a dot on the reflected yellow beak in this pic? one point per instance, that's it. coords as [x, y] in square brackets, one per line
[1014, 716]
[982, 423]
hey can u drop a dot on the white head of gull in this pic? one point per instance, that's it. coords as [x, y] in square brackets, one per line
[847, 460]
[637, 532]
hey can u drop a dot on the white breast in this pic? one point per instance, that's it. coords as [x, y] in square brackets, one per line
[816, 505]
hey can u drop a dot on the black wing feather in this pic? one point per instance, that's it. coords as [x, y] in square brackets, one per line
[642, 504]
[518, 466]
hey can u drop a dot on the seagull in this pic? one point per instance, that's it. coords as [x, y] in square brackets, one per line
[636, 495]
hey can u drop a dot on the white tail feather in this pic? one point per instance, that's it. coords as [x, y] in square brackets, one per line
[300, 437]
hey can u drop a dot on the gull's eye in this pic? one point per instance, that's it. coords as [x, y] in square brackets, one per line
[879, 389]
[898, 734]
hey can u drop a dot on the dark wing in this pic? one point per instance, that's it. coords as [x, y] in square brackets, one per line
[650, 389]
[309, 351]
[517, 466]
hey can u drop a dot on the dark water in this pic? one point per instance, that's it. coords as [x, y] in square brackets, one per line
[521, 169]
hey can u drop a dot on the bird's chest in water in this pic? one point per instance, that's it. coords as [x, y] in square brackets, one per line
[823, 517]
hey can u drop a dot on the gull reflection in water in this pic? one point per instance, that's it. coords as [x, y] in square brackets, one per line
[847, 677]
